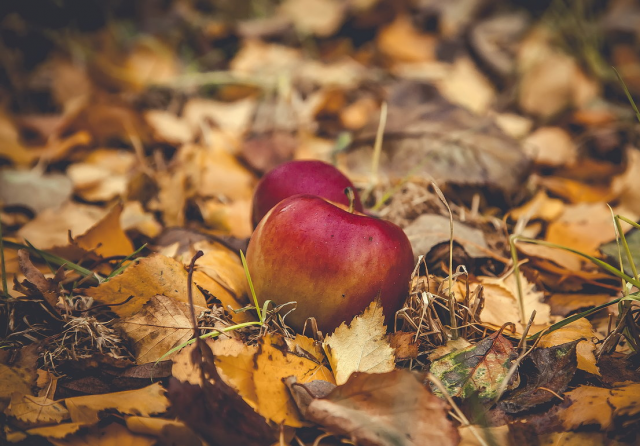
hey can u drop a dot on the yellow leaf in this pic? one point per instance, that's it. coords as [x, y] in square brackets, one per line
[146, 401]
[584, 350]
[146, 278]
[163, 323]
[361, 346]
[36, 410]
[304, 346]
[14, 379]
[272, 364]
[169, 432]
[111, 435]
[596, 405]
[106, 238]
[59, 431]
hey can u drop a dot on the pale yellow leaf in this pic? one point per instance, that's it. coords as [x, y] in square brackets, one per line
[169, 432]
[112, 435]
[147, 401]
[14, 379]
[36, 410]
[361, 346]
[59, 431]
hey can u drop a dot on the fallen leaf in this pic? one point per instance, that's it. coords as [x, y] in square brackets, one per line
[135, 218]
[465, 85]
[405, 345]
[318, 17]
[144, 279]
[168, 432]
[551, 146]
[170, 128]
[361, 346]
[103, 175]
[516, 126]
[575, 191]
[307, 347]
[477, 369]
[429, 137]
[106, 238]
[554, 368]
[565, 304]
[33, 411]
[232, 118]
[150, 400]
[580, 329]
[498, 435]
[112, 435]
[60, 431]
[162, 324]
[565, 259]
[600, 406]
[34, 190]
[49, 288]
[400, 41]
[501, 302]
[429, 230]
[15, 379]
[11, 147]
[385, 409]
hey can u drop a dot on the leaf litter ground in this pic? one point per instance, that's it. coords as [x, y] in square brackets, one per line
[125, 153]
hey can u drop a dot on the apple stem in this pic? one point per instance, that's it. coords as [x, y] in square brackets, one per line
[348, 191]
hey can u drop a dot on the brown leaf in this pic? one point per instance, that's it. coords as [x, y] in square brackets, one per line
[430, 137]
[150, 400]
[112, 435]
[361, 346]
[168, 432]
[580, 329]
[106, 238]
[392, 408]
[48, 287]
[404, 344]
[400, 41]
[163, 323]
[15, 379]
[144, 279]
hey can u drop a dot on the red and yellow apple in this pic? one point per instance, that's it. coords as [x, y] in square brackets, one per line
[330, 261]
[300, 177]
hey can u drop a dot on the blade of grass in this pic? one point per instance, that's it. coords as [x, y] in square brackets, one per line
[626, 91]
[5, 288]
[122, 266]
[253, 292]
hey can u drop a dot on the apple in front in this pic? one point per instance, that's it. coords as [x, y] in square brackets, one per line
[332, 262]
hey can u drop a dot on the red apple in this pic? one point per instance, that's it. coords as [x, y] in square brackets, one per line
[300, 177]
[332, 262]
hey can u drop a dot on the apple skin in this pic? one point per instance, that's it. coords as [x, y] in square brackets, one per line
[332, 262]
[300, 177]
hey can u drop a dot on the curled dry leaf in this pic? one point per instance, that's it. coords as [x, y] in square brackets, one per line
[144, 279]
[163, 323]
[386, 409]
[361, 346]
[478, 369]
[603, 407]
[150, 400]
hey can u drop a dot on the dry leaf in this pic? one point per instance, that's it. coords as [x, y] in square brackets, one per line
[144, 279]
[15, 379]
[540, 206]
[33, 189]
[111, 435]
[163, 323]
[498, 435]
[232, 118]
[405, 345]
[603, 407]
[465, 85]
[170, 128]
[168, 432]
[305, 346]
[361, 346]
[551, 146]
[387, 409]
[11, 147]
[32, 411]
[318, 17]
[150, 400]
[56, 432]
[106, 238]
[501, 302]
[400, 41]
[584, 350]
[103, 175]
[135, 218]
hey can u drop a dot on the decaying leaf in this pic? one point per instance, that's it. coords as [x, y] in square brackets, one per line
[34, 278]
[478, 369]
[361, 346]
[150, 400]
[554, 368]
[606, 408]
[33, 411]
[405, 345]
[427, 136]
[580, 329]
[384, 409]
[15, 379]
[144, 279]
[163, 323]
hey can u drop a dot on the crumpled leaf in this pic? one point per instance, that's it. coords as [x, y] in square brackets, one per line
[429, 137]
[147, 401]
[32, 411]
[603, 407]
[148, 277]
[555, 367]
[477, 369]
[361, 346]
[163, 323]
[33, 189]
[384, 409]
[112, 435]
[577, 330]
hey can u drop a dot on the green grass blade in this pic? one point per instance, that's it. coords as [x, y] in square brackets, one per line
[626, 91]
[253, 292]
[3, 268]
